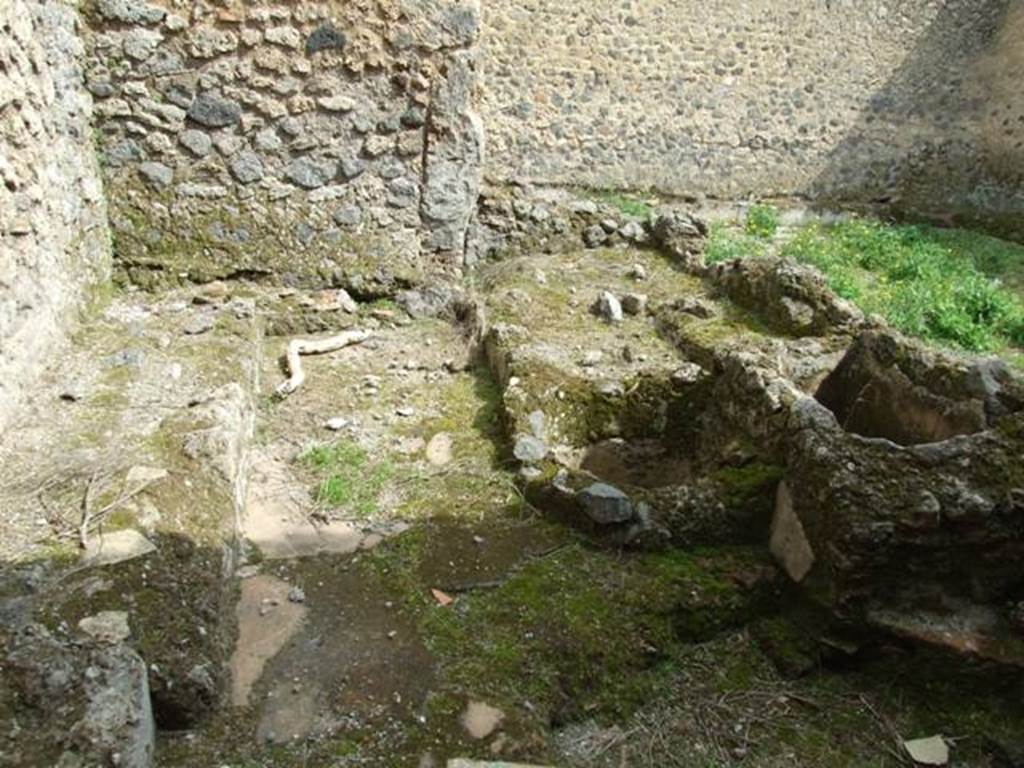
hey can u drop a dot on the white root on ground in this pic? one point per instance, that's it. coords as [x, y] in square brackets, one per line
[299, 347]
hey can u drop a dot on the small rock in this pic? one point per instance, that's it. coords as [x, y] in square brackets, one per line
[538, 424]
[605, 504]
[106, 626]
[595, 236]
[638, 272]
[529, 450]
[296, 595]
[198, 325]
[930, 751]
[116, 547]
[439, 449]
[608, 307]
[481, 720]
[336, 424]
[696, 307]
[247, 571]
[788, 542]
[157, 174]
[634, 303]
[592, 358]
[325, 37]
[346, 302]
[140, 477]
[308, 173]
[688, 373]
[337, 103]
[211, 293]
[405, 411]
[634, 232]
[349, 216]
[351, 168]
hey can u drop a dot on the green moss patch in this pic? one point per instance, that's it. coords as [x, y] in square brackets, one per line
[575, 632]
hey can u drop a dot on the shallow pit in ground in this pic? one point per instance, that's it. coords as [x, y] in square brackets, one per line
[897, 391]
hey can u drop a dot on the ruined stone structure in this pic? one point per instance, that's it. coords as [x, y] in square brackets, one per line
[343, 143]
[604, 470]
[53, 226]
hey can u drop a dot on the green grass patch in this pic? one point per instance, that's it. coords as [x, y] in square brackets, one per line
[349, 479]
[952, 287]
[726, 242]
[926, 283]
[626, 204]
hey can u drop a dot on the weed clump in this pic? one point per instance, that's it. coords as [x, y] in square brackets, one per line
[762, 221]
[349, 480]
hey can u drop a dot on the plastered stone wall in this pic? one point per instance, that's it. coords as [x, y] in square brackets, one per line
[319, 142]
[914, 102]
[54, 244]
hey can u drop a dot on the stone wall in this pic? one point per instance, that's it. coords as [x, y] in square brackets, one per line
[54, 243]
[330, 141]
[916, 102]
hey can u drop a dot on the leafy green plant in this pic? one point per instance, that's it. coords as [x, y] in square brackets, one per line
[762, 221]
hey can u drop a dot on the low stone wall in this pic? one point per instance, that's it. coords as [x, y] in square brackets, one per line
[316, 141]
[54, 242]
[915, 103]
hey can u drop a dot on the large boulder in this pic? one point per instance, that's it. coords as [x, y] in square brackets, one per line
[79, 702]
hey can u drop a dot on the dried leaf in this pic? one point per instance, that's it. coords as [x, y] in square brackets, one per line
[442, 598]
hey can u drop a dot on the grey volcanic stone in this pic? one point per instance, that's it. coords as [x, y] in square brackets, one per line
[402, 192]
[349, 216]
[605, 504]
[247, 167]
[325, 37]
[127, 151]
[595, 236]
[157, 174]
[414, 117]
[352, 167]
[529, 450]
[309, 173]
[130, 11]
[213, 111]
[197, 142]
[268, 140]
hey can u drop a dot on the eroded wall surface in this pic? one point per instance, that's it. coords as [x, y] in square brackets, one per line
[54, 244]
[331, 141]
[916, 102]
